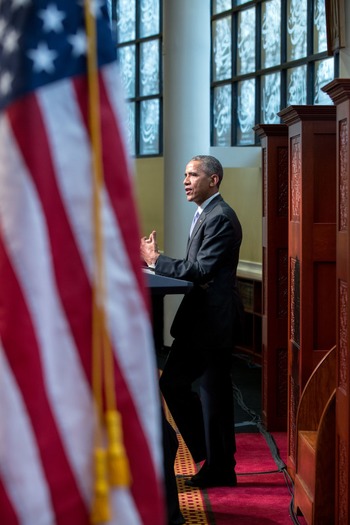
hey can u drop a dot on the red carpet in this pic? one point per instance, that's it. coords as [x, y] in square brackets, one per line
[263, 494]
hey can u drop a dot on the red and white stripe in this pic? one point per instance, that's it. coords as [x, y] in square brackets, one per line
[46, 268]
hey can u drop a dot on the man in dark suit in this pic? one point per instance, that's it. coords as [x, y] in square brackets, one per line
[205, 326]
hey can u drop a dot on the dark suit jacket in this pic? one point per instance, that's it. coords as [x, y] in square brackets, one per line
[209, 313]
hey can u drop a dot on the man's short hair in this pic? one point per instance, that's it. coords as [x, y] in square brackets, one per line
[210, 166]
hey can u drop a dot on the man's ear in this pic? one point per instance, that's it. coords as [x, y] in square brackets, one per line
[214, 180]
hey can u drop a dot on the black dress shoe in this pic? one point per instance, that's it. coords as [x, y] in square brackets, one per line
[207, 479]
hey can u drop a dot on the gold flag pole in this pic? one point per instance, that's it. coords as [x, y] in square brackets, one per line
[111, 465]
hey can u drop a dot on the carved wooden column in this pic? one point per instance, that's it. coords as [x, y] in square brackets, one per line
[339, 91]
[311, 248]
[274, 142]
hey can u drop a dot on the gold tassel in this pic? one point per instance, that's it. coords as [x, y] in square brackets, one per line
[100, 509]
[118, 464]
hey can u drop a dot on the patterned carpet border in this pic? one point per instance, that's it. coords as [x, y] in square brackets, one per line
[194, 503]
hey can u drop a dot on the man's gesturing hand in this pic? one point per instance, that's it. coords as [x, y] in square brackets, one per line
[149, 249]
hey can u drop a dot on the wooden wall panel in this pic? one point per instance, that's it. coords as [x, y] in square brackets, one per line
[339, 91]
[311, 248]
[274, 142]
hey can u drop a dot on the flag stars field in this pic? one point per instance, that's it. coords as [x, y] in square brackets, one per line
[78, 43]
[6, 80]
[11, 41]
[43, 58]
[55, 47]
[52, 18]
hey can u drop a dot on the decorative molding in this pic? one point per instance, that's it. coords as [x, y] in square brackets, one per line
[282, 283]
[294, 295]
[343, 174]
[295, 178]
[342, 481]
[264, 288]
[264, 172]
[343, 335]
[282, 199]
[294, 397]
[338, 90]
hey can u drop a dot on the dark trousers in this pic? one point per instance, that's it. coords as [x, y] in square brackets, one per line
[204, 416]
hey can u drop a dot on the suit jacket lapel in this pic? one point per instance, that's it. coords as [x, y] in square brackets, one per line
[201, 219]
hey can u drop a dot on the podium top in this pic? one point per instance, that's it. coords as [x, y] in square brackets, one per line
[161, 285]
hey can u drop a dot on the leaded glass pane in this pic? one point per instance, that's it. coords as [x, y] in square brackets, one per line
[222, 116]
[219, 6]
[149, 18]
[297, 29]
[291, 30]
[246, 41]
[271, 33]
[149, 68]
[127, 67]
[126, 18]
[296, 86]
[324, 73]
[149, 127]
[246, 112]
[222, 49]
[270, 98]
[130, 128]
[320, 29]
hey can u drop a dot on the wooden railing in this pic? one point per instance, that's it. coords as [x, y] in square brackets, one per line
[314, 489]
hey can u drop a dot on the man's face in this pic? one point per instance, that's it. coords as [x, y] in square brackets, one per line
[198, 185]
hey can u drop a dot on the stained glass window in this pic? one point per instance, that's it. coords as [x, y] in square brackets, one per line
[222, 49]
[245, 111]
[246, 41]
[296, 29]
[222, 115]
[270, 97]
[139, 37]
[221, 5]
[266, 55]
[149, 131]
[149, 18]
[324, 73]
[126, 20]
[271, 33]
[296, 86]
[320, 33]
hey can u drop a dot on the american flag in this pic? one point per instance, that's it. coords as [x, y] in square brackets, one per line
[47, 256]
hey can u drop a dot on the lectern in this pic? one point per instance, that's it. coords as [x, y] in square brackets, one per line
[159, 287]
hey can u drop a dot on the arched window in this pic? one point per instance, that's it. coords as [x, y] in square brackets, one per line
[266, 55]
[138, 25]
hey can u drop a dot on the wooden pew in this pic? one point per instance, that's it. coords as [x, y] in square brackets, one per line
[314, 484]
